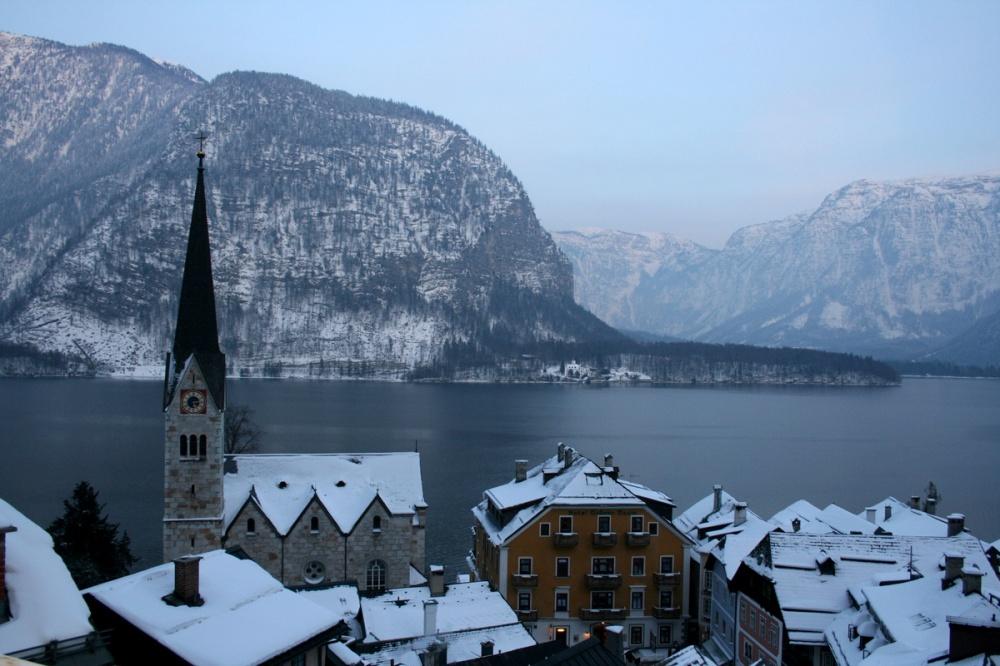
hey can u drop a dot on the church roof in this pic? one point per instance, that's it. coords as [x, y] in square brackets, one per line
[197, 332]
[345, 484]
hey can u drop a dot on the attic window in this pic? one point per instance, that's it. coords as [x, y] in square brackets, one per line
[282, 484]
[341, 483]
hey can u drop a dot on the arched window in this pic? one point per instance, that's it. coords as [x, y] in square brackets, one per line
[251, 526]
[375, 576]
[377, 523]
[314, 524]
[202, 441]
[184, 446]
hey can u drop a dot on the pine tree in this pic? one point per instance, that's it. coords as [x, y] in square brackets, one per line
[87, 542]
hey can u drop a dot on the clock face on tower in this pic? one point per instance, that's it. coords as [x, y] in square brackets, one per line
[193, 401]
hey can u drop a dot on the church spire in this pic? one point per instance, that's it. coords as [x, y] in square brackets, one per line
[197, 332]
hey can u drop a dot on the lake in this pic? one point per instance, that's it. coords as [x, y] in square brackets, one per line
[766, 445]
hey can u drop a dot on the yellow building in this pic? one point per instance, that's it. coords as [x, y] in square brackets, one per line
[570, 545]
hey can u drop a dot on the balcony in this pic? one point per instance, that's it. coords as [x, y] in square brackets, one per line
[524, 580]
[604, 581]
[603, 613]
[527, 616]
[637, 539]
[565, 539]
[605, 539]
[661, 613]
[673, 578]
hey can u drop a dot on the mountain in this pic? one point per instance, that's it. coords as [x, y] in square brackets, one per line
[892, 269]
[350, 235]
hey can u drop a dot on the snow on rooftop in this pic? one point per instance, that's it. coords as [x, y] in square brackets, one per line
[399, 614]
[346, 484]
[689, 656]
[462, 646]
[247, 617]
[582, 483]
[807, 514]
[727, 542]
[904, 520]
[45, 604]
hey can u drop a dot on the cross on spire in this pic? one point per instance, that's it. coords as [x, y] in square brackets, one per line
[201, 148]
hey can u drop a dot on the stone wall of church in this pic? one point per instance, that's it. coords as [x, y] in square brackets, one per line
[263, 546]
[192, 484]
[392, 544]
[304, 547]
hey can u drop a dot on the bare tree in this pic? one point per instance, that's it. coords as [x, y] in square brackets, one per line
[242, 432]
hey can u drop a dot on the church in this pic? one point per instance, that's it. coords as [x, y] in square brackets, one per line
[306, 519]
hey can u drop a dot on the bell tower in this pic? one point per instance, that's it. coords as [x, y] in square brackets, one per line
[194, 401]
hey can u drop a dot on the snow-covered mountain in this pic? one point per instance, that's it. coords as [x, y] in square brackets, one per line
[893, 269]
[347, 232]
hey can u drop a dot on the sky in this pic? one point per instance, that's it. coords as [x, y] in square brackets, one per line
[691, 118]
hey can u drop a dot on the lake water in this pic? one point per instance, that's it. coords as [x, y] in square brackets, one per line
[767, 445]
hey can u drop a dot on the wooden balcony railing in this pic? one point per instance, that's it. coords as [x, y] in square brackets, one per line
[603, 613]
[565, 539]
[604, 581]
[524, 580]
[605, 539]
[637, 539]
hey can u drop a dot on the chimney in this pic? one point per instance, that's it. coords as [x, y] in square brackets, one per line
[870, 514]
[4, 604]
[914, 501]
[931, 505]
[568, 454]
[609, 466]
[609, 460]
[739, 513]
[956, 524]
[972, 581]
[185, 582]
[520, 470]
[796, 524]
[952, 568]
[436, 580]
[430, 617]
[888, 512]
[614, 641]
[560, 451]
[486, 649]
[436, 654]
[716, 498]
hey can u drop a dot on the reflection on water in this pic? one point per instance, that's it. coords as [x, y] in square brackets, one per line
[768, 446]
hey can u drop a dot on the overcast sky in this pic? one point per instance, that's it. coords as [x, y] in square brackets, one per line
[695, 119]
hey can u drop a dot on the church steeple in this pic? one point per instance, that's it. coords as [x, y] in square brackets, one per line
[197, 332]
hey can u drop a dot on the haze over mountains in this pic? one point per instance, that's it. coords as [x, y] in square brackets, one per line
[901, 270]
[343, 228]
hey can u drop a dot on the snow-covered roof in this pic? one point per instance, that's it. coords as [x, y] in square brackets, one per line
[462, 645]
[342, 600]
[907, 619]
[247, 617]
[810, 599]
[716, 533]
[845, 522]
[807, 514]
[689, 656]
[45, 604]
[905, 520]
[582, 483]
[346, 484]
[399, 614]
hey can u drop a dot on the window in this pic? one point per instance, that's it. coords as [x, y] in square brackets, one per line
[604, 524]
[377, 523]
[524, 601]
[666, 564]
[654, 528]
[708, 581]
[314, 524]
[544, 529]
[763, 625]
[666, 599]
[524, 566]
[202, 446]
[635, 634]
[184, 446]
[375, 576]
[747, 650]
[562, 567]
[602, 565]
[562, 602]
[638, 566]
[565, 524]
[298, 660]
[666, 634]
[602, 599]
[251, 526]
[753, 618]
[638, 600]
[636, 524]
[314, 573]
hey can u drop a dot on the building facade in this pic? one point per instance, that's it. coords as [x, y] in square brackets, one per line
[570, 545]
